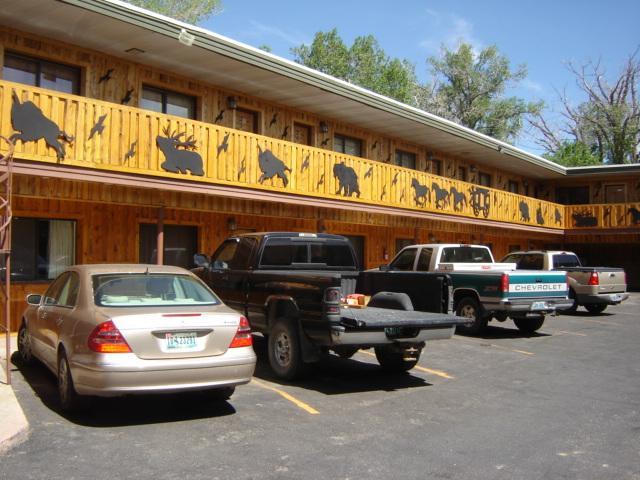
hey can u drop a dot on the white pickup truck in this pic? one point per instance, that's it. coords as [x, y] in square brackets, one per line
[483, 289]
[592, 287]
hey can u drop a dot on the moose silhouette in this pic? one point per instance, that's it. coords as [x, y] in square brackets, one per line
[179, 161]
[524, 212]
[459, 199]
[422, 193]
[271, 166]
[347, 180]
[442, 195]
[33, 125]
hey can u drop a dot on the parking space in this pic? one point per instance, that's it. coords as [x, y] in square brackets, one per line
[563, 403]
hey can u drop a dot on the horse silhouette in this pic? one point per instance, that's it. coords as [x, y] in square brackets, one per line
[422, 193]
[524, 212]
[347, 180]
[459, 199]
[33, 125]
[442, 195]
[271, 166]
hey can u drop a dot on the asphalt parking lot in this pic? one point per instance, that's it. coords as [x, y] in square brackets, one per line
[564, 403]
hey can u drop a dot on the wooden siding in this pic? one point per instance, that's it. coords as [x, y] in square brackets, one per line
[130, 144]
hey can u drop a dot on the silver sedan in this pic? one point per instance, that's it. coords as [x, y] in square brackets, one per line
[111, 330]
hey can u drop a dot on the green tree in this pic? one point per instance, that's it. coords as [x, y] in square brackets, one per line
[574, 154]
[469, 88]
[608, 122]
[189, 11]
[364, 63]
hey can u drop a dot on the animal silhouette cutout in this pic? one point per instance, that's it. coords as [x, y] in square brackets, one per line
[395, 179]
[98, 127]
[271, 166]
[325, 141]
[179, 160]
[368, 173]
[459, 199]
[635, 215]
[421, 193]
[441, 196]
[33, 125]
[305, 164]
[320, 181]
[285, 132]
[539, 216]
[243, 167]
[127, 97]
[219, 117]
[402, 195]
[584, 219]
[524, 212]
[131, 153]
[224, 146]
[347, 180]
[274, 119]
[106, 77]
[558, 217]
[384, 192]
[375, 144]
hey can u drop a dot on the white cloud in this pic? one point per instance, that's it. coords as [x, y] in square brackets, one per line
[531, 85]
[261, 30]
[450, 30]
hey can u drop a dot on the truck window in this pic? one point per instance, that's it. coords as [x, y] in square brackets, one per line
[513, 258]
[533, 261]
[236, 252]
[283, 255]
[332, 254]
[464, 254]
[404, 260]
[424, 259]
[565, 260]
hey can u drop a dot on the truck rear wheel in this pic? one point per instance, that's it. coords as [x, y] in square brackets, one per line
[468, 307]
[285, 353]
[396, 359]
[528, 325]
[596, 307]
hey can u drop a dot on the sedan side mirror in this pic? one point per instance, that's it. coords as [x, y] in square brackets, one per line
[34, 299]
[201, 260]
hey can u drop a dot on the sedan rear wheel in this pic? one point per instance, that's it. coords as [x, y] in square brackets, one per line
[24, 345]
[69, 400]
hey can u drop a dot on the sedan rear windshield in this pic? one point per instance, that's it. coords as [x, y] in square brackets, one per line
[150, 290]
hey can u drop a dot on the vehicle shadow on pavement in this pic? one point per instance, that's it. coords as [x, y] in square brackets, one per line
[333, 375]
[126, 410]
[495, 332]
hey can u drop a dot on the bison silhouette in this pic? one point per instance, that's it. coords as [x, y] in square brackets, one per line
[347, 180]
[33, 125]
[422, 193]
[271, 166]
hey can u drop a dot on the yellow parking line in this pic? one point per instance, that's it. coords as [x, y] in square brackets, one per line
[300, 404]
[573, 333]
[523, 352]
[439, 373]
[600, 322]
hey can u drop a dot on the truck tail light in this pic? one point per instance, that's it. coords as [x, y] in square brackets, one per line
[106, 338]
[594, 279]
[332, 297]
[504, 283]
[243, 335]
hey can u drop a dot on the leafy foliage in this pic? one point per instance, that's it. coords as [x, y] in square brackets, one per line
[574, 154]
[469, 88]
[189, 11]
[364, 63]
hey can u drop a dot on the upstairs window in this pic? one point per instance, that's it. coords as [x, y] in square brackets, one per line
[572, 195]
[436, 167]
[513, 186]
[484, 179]
[166, 101]
[348, 145]
[41, 73]
[405, 159]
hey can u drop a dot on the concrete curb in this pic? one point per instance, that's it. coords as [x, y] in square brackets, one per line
[14, 428]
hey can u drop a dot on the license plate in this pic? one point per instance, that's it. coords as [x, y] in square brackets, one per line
[539, 306]
[181, 341]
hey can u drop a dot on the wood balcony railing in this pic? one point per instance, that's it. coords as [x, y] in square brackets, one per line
[72, 130]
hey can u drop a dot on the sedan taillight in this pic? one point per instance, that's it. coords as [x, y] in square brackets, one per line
[243, 335]
[106, 338]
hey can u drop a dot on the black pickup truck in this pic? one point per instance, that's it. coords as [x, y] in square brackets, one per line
[292, 287]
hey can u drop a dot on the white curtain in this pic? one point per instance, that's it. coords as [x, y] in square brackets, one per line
[61, 246]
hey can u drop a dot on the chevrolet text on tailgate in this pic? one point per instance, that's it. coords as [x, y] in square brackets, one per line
[483, 289]
[303, 291]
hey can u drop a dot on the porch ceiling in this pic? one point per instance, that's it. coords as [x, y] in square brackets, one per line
[113, 27]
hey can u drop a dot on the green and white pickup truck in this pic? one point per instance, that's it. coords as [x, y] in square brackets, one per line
[593, 287]
[483, 289]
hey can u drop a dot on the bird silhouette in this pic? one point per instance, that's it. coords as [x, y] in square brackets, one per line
[274, 119]
[219, 117]
[395, 179]
[224, 146]
[321, 181]
[375, 144]
[285, 132]
[325, 142]
[305, 164]
[127, 97]
[402, 195]
[131, 153]
[369, 173]
[106, 77]
[243, 167]
[98, 127]
[384, 192]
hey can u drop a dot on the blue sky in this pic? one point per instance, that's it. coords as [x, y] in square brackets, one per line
[544, 34]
